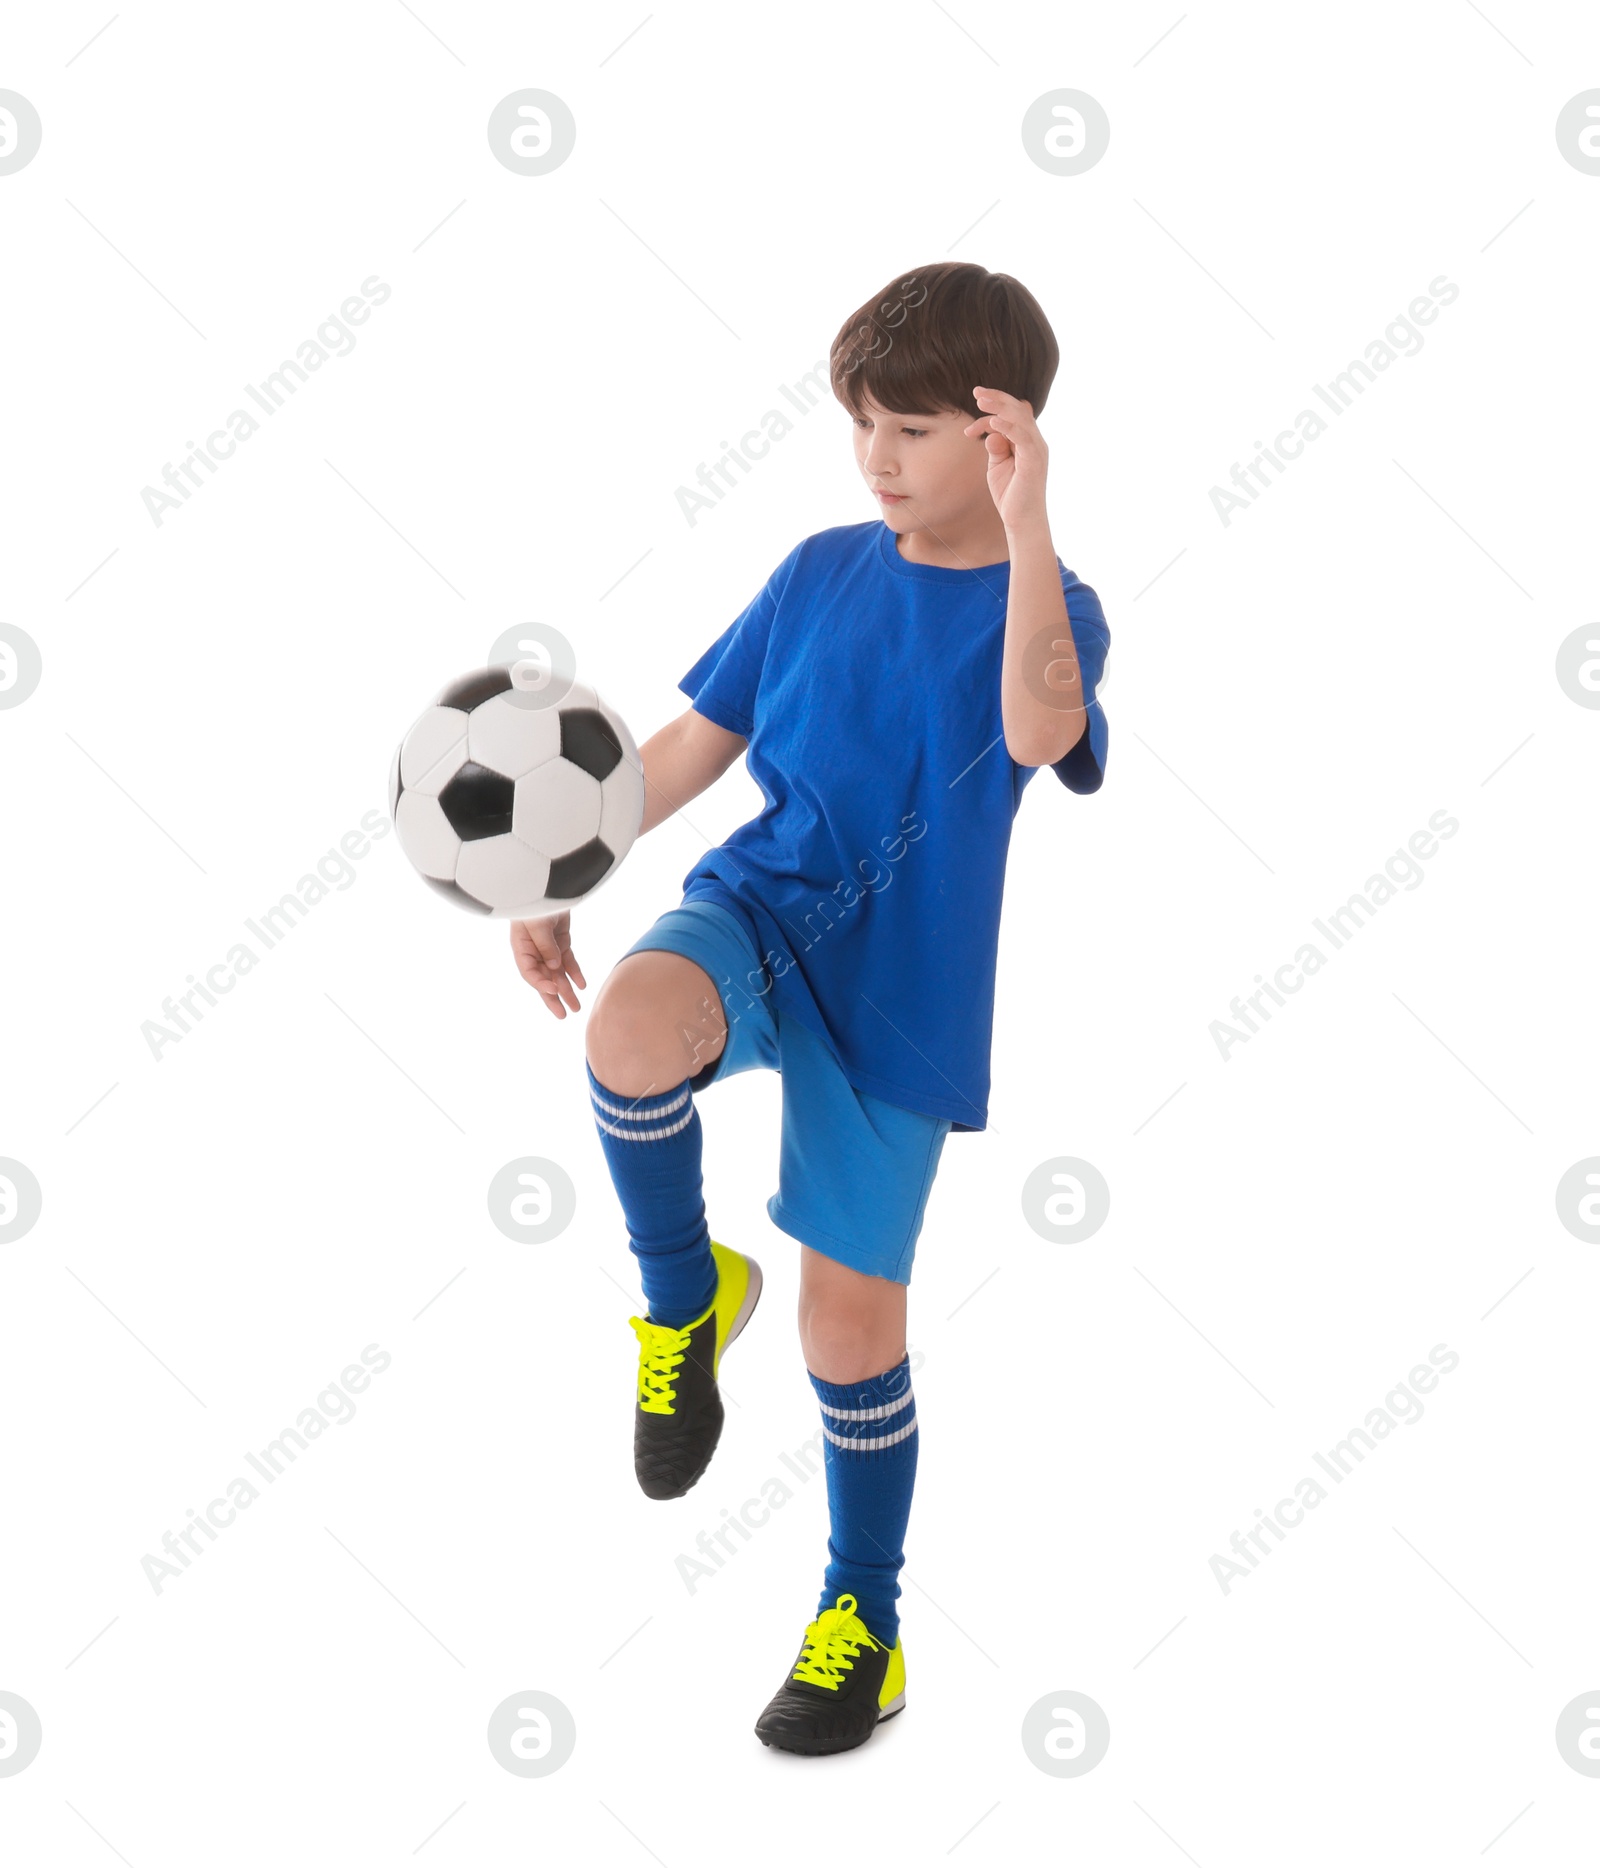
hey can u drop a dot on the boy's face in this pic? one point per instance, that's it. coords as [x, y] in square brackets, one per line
[937, 476]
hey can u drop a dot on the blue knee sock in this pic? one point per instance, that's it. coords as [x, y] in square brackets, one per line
[870, 1456]
[652, 1147]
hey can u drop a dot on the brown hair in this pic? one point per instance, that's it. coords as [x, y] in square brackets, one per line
[921, 344]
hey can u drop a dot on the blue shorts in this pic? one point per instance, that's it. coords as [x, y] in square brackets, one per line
[853, 1171]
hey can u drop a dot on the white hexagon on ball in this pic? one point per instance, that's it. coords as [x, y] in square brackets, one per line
[556, 808]
[434, 751]
[512, 739]
[621, 807]
[426, 835]
[503, 873]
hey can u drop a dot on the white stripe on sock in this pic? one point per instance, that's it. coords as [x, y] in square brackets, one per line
[632, 1109]
[647, 1135]
[866, 1446]
[867, 1413]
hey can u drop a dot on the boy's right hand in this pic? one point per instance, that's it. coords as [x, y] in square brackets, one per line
[543, 952]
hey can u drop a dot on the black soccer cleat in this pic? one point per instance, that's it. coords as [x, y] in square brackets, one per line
[677, 1419]
[844, 1685]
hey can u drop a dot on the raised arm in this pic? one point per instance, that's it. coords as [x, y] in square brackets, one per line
[686, 757]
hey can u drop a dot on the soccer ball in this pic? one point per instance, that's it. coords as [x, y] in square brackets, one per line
[516, 810]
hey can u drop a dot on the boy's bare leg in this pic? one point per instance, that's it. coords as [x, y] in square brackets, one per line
[851, 1325]
[656, 1021]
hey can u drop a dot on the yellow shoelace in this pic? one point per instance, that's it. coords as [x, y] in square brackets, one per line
[832, 1643]
[661, 1349]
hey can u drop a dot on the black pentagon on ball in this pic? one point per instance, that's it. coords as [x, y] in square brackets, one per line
[578, 871]
[472, 690]
[458, 895]
[478, 802]
[589, 741]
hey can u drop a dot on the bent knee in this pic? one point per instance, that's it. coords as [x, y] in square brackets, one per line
[626, 1052]
[652, 1026]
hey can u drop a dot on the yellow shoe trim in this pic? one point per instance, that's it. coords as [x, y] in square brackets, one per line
[733, 1285]
[894, 1681]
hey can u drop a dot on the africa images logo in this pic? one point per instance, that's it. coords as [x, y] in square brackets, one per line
[333, 338]
[1403, 870]
[1402, 1407]
[335, 872]
[1400, 338]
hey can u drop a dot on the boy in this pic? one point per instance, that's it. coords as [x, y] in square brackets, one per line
[894, 685]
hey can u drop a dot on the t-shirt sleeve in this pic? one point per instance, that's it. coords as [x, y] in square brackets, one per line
[724, 682]
[1084, 767]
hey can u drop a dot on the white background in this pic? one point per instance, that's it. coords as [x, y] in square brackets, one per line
[1373, 641]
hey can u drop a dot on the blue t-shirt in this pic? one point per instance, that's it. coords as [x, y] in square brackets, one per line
[868, 688]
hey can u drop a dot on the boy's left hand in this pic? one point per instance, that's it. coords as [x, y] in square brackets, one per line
[1017, 456]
